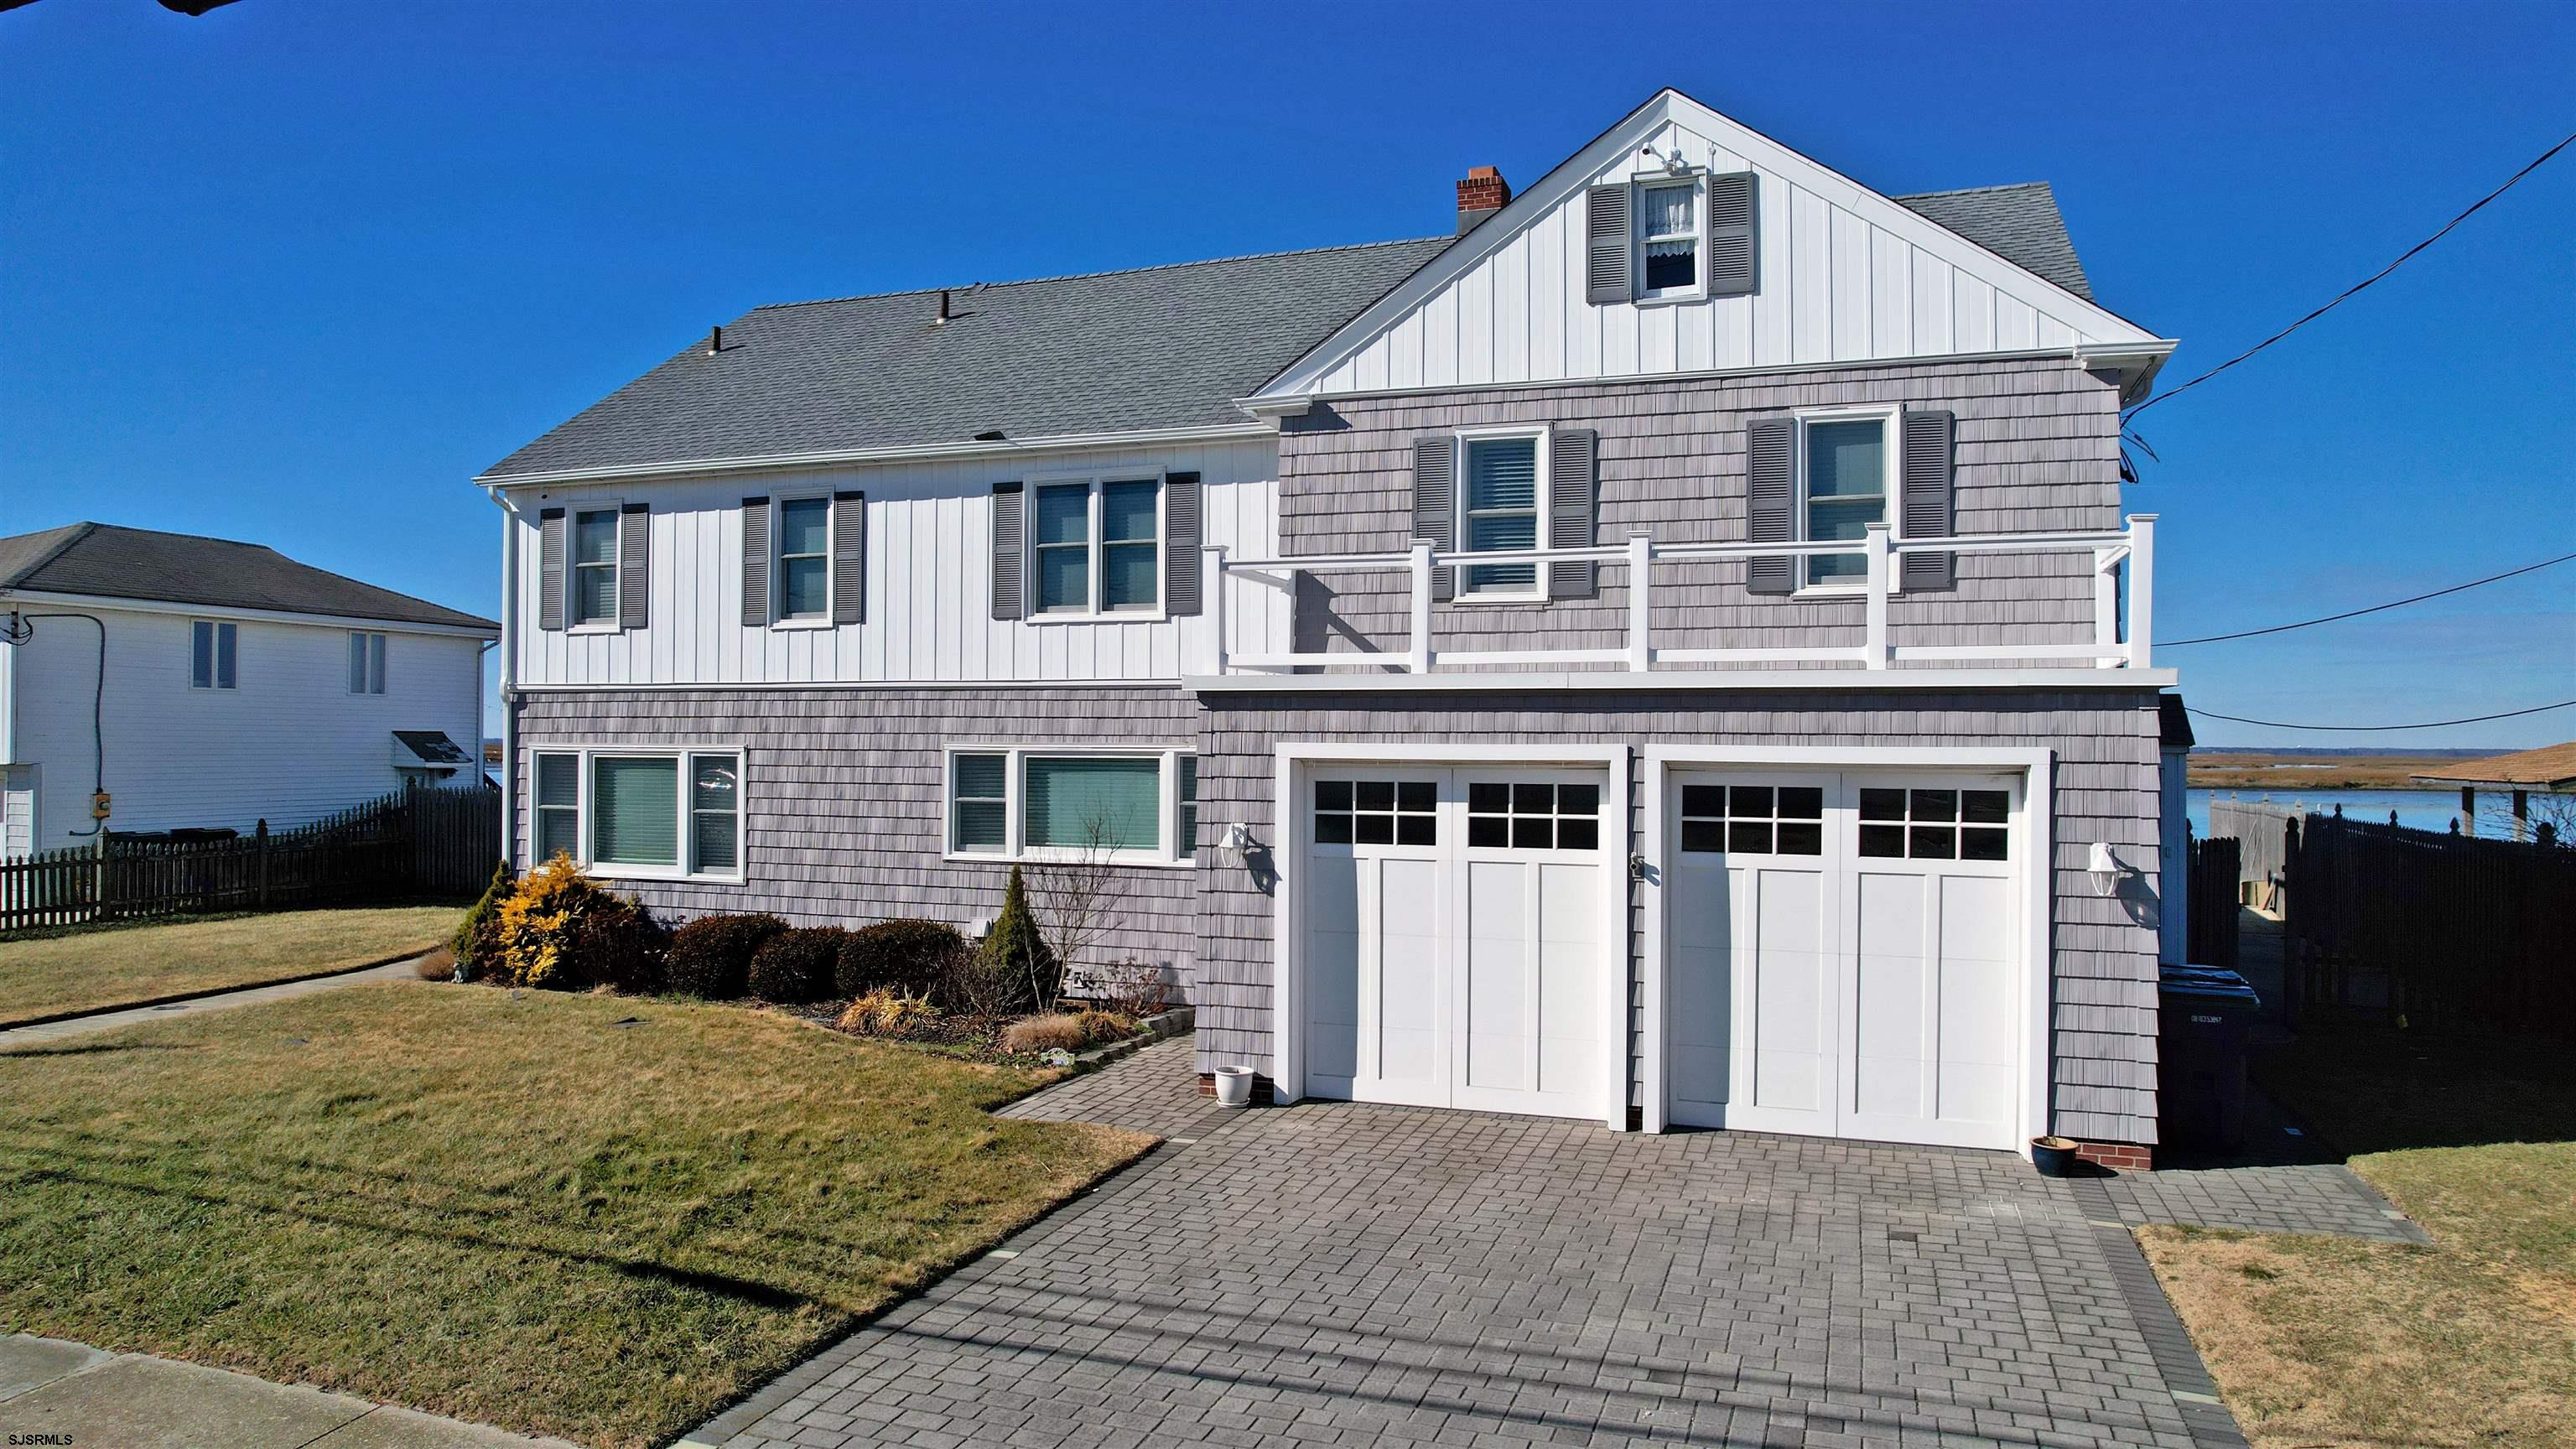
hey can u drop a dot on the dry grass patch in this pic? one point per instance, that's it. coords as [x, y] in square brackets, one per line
[99, 968]
[510, 1208]
[2468, 1344]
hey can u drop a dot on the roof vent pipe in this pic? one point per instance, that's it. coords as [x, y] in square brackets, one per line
[942, 319]
[715, 341]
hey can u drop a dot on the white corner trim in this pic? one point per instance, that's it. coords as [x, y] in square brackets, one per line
[916, 452]
[1827, 681]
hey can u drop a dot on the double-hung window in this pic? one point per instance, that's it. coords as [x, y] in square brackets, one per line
[1499, 508]
[641, 813]
[803, 567]
[592, 594]
[1135, 806]
[1668, 239]
[1846, 482]
[213, 647]
[1095, 546]
[366, 662]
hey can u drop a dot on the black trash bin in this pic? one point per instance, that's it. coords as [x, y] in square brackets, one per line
[2208, 1015]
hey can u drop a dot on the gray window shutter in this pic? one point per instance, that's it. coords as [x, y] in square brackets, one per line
[550, 568]
[849, 558]
[755, 563]
[1924, 474]
[1435, 505]
[1183, 529]
[1770, 497]
[634, 585]
[1009, 601]
[1573, 501]
[1606, 245]
[1733, 258]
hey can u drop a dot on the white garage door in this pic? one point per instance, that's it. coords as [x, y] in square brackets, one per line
[1458, 939]
[1842, 955]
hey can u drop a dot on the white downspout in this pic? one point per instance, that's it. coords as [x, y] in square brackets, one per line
[509, 678]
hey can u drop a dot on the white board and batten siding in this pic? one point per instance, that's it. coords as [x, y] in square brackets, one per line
[288, 743]
[1845, 276]
[928, 616]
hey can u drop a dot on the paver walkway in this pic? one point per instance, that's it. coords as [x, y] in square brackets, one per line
[2326, 1198]
[24, 1036]
[98, 1400]
[1340, 1274]
[1155, 1091]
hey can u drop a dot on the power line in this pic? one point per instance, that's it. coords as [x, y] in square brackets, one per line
[2273, 724]
[2356, 287]
[2373, 609]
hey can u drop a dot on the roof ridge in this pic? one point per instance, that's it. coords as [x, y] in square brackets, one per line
[1974, 190]
[1108, 272]
[72, 534]
[192, 537]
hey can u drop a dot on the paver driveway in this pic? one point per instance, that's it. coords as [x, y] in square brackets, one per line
[1337, 1274]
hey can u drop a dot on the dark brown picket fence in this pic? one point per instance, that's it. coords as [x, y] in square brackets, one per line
[2448, 930]
[417, 842]
[2211, 930]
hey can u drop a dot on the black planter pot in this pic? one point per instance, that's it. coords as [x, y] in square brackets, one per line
[2053, 1156]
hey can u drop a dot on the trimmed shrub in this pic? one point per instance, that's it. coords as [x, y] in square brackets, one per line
[476, 945]
[904, 957]
[1046, 1033]
[797, 966]
[551, 925]
[1101, 1027]
[888, 1014]
[623, 949]
[710, 957]
[436, 965]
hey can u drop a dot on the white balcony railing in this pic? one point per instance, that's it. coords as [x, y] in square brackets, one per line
[1641, 556]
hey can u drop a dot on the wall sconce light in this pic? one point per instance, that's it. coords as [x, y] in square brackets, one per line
[2105, 868]
[1236, 841]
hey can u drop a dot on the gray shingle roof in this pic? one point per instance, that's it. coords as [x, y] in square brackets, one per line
[106, 561]
[1155, 347]
[1158, 347]
[2019, 223]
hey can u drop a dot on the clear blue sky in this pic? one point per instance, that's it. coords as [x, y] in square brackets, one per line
[294, 271]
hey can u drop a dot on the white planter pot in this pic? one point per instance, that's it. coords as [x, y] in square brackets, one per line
[1234, 1086]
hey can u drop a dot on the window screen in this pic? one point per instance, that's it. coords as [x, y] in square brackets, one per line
[715, 813]
[1502, 510]
[594, 566]
[635, 811]
[558, 806]
[1061, 541]
[1079, 804]
[1131, 569]
[805, 558]
[1846, 492]
[978, 792]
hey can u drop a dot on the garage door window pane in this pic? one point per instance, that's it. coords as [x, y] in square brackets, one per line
[1802, 802]
[1528, 815]
[1936, 805]
[1417, 797]
[1984, 807]
[1976, 844]
[1801, 837]
[1933, 830]
[1882, 804]
[1377, 812]
[1749, 835]
[1883, 840]
[1754, 819]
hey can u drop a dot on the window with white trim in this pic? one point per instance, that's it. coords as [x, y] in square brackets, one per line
[648, 813]
[366, 662]
[213, 651]
[1668, 239]
[1136, 806]
[590, 598]
[1846, 482]
[801, 569]
[1501, 501]
[1095, 546]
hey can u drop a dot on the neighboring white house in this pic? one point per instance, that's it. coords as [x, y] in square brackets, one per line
[196, 683]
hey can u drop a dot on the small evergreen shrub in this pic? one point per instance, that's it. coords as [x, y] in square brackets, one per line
[904, 957]
[550, 926]
[1013, 969]
[890, 1014]
[710, 957]
[797, 966]
[1045, 1033]
[477, 941]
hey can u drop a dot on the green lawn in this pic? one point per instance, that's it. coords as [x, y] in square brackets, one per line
[94, 968]
[511, 1209]
[2470, 1342]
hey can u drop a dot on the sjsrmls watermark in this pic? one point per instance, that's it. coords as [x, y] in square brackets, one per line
[56, 1439]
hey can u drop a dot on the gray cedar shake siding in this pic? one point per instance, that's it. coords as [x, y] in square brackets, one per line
[844, 816]
[2037, 450]
[2105, 742]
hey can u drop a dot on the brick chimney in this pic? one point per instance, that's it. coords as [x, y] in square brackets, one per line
[1483, 193]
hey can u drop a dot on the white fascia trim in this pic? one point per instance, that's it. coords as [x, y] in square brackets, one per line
[917, 452]
[1657, 680]
[13, 598]
[2037, 767]
[752, 686]
[1671, 107]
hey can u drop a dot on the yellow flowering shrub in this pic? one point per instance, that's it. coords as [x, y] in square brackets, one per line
[551, 926]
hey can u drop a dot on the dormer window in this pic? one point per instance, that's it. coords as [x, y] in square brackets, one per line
[1668, 239]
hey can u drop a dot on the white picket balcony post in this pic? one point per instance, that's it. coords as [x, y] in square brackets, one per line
[1212, 603]
[2106, 609]
[1641, 557]
[1874, 549]
[1418, 647]
[2142, 590]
